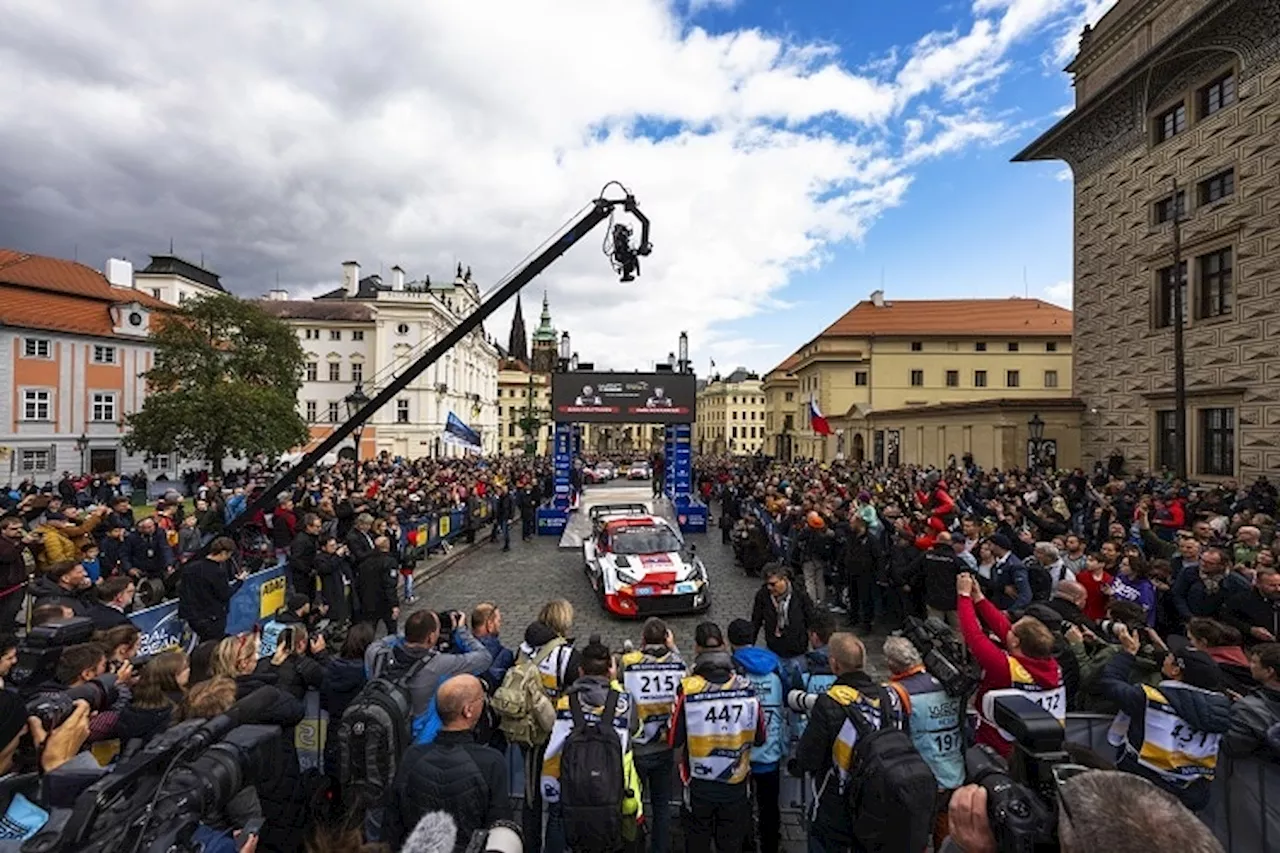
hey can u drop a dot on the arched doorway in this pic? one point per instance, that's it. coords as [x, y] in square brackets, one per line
[859, 448]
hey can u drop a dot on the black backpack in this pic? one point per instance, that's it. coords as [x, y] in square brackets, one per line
[592, 783]
[891, 792]
[373, 735]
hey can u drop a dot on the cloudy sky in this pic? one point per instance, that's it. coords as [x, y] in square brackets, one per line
[792, 156]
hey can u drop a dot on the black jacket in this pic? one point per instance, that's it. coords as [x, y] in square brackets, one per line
[296, 675]
[826, 719]
[455, 775]
[793, 640]
[376, 585]
[302, 555]
[45, 590]
[1072, 614]
[359, 545]
[105, 617]
[862, 554]
[1247, 610]
[940, 566]
[204, 597]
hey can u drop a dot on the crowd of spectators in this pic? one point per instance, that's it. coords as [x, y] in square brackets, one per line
[1150, 601]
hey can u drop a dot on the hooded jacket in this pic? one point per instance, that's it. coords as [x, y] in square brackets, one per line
[997, 664]
[1203, 711]
[45, 590]
[393, 652]
[566, 657]
[716, 666]
[766, 672]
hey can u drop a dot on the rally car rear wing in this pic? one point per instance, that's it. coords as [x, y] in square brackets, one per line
[601, 510]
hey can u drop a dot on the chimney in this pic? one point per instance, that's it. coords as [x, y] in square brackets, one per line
[119, 273]
[397, 278]
[877, 298]
[351, 277]
[278, 295]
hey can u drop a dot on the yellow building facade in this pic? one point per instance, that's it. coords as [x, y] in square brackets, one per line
[731, 415]
[908, 355]
[522, 392]
[780, 388]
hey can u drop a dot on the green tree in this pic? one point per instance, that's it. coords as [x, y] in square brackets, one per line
[224, 384]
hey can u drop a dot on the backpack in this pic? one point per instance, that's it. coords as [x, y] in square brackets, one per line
[374, 732]
[518, 696]
[592, 780]
[891, 792]
[1041, 582]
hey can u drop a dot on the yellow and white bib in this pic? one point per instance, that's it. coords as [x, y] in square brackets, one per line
[847, 738]
[720, 721]
[560, 731]
[1051, 699]
[652, 683]
[1171, 747]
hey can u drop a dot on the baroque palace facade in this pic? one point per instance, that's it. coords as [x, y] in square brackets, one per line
[1176, 116]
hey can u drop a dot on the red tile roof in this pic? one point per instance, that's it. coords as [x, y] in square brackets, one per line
[790, 362]
[37, 292]
[966, 317]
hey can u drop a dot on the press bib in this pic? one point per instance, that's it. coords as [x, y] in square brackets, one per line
[1171, 747]
[720, 726]
[652, 685]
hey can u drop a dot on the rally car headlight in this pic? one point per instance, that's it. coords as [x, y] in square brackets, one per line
[628, 577]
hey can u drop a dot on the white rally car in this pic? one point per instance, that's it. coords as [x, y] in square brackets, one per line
[639, 566]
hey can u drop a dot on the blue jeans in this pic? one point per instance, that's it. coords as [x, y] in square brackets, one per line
[656, 770]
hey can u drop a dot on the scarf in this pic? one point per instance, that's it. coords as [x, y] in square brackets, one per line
[783, 606]
[1211, 582]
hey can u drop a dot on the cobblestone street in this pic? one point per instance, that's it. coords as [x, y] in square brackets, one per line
[531, 573]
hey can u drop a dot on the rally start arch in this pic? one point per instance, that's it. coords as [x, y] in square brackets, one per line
[588, 397]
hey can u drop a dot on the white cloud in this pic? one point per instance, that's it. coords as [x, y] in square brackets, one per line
[696, 6]
[289, 137]
[1086, 12]
[1064, 175]
[1060, 293]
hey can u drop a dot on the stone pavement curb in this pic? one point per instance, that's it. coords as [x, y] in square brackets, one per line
[433, 567]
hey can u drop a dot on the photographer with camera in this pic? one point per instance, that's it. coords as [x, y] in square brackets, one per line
[1093, 651]
[1173, 730]
[933, 718]
[1024, 667]
[332, 569]
[1098, 811]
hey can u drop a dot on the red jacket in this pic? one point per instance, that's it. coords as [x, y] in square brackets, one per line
[997, 664]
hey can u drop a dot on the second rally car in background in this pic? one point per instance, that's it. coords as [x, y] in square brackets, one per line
[639, 566]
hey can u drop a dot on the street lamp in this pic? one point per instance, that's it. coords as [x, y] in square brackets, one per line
[1035, 427]
[82, 444]
[684, 352]
[356, 401]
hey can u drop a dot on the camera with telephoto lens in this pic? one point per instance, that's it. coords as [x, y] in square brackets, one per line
[40, 651]
[53, 708]
[944, 655]
[801, 701]
[1022, 794]
[155, 800]
[334, 633]
[502, 836]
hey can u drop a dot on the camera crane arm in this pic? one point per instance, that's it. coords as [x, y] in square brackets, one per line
[623, 257]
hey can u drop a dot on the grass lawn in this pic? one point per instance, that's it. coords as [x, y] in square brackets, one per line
[147, 510]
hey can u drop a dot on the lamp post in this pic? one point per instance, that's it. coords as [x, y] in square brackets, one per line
[1035, 427]
[82, 444]
[684, 352]
[355, 401]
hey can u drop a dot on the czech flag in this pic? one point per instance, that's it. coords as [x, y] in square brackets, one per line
[816, 421]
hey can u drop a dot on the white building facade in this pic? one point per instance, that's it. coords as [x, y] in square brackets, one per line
[367, 332]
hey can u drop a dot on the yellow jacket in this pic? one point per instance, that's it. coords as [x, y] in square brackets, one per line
[62, 542]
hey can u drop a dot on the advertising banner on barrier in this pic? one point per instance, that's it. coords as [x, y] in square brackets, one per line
[261, 595]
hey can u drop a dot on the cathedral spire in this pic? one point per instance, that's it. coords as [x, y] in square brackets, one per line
[518, 343]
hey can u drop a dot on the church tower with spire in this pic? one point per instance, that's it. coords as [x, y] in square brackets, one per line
[518, 342]
[546, 343]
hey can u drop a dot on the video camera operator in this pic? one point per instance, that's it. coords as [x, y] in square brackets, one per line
[1098, 811]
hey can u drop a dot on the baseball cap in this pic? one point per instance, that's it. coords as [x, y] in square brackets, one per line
[741, 633]
[1198, 669]
[707, 635]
